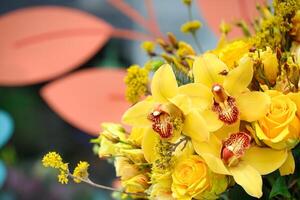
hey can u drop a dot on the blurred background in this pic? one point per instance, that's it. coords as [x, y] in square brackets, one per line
[61, 75]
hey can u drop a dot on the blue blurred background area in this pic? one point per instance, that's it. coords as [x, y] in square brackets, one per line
[29, 128]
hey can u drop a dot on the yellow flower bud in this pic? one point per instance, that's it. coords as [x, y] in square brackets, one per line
[225, 28]
[191, 26]
[136, 184]
[185, 49]
[81, 171]
[135, 155]
[136, 135]
[148, 46]
[271, 69]
[295, 49]
[125, 169]
[187, 2]
[295, 32]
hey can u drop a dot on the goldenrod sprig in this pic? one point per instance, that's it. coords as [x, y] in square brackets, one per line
[80, 174]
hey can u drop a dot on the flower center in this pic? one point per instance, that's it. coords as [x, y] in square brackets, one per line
[234, 147]
[167, 120]
[224, 105]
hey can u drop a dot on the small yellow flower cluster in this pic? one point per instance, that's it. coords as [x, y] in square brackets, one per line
[149, 47]
[191, 26]
[136, 82]
[54, 160]
[81, 171]
[187, 2]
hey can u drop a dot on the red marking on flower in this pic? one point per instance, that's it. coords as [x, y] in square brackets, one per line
[227, 111]
[235, 146]
[161, 123]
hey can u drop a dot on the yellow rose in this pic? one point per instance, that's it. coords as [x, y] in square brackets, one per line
[280, 127]
[125, 169]
[136, 184]
[193, 179]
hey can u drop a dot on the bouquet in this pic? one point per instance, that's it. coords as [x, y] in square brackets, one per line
[208, 121]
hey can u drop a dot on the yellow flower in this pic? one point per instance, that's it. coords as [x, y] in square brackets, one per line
[184, 49]
[81, 171]
[161, 189]
[295, 50]
[166, 113]
[125, 168]
[52, 159]
[191, 26]
[135, 155]
[136, 135]
[187, 2]
[270, 64]
[225, 98]
[136, 81]
[296, 26]
[136, 184]
[232, 52]
[191, 178]
[148, 46]
[280, 127]
[63, 177]
[110, 138]
[237, 156]
[224, 27]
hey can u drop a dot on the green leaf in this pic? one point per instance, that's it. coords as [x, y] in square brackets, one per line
[280, 188]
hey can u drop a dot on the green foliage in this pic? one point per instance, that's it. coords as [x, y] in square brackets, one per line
[280, 188]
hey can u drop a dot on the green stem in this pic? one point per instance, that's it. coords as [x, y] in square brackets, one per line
[89, 182]
[197, 42]
[190, 13]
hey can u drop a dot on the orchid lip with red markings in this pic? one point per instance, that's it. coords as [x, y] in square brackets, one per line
[161, 123]
[167, 120]
[234, 147]
[224, 105]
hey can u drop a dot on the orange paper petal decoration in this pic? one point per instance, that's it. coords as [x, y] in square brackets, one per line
[40, 43]
[88, 97]
[214, 11]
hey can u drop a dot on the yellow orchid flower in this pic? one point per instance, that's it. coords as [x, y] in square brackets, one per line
[229, 100]
[239, 157]
[167, 113]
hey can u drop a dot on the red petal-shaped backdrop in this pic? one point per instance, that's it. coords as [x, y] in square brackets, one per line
[88, 97]
[214, 11]
[40, 43]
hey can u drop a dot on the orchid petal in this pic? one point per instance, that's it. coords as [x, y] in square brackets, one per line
[265, 160]
[164, 84]
[195, 127]
[149, 142]
[239, 78]
[253, 105]
[207, 70]
[249, 178]
[137, 114]
[199, 94]
[288, 166]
